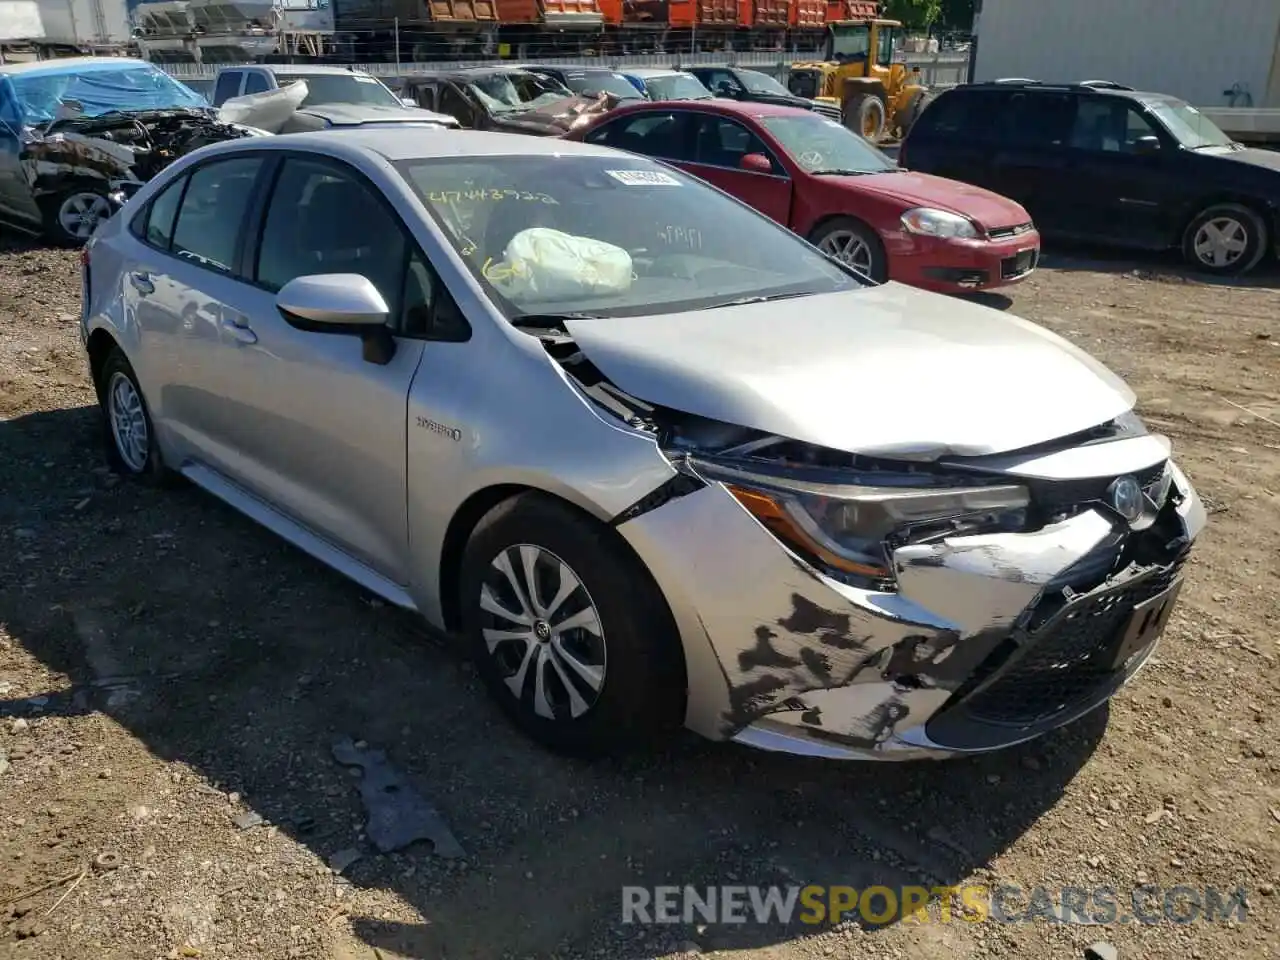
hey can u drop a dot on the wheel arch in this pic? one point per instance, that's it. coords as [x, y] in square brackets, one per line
[1268, 213]
[473, 509]
[99, 347]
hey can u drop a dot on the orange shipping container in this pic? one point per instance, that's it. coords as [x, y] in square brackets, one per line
[380, 13]
[853, 10]
[808, 14]
[555, 12]
[680, 13]
[762, 13]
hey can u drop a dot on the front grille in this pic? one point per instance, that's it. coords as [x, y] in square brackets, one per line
[1001, 233]
[1065, 661]
[1053, 498]
[827, 110]
[805, 83]
[1019, 265]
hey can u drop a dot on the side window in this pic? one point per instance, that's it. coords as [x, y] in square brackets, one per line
[884, 47]
[958, 115]
[720, 81]
[154, 224]
[323, 218]
[723, 143]
[453, 103]
[652, 134]
[1040, 120]
[1137, 126]
[211, 217]
[255, 83]
[1101, 125]
[228, 86]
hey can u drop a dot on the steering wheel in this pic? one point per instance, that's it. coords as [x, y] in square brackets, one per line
[811, 158]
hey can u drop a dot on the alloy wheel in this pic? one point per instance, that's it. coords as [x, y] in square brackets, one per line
[128, 422]
[80, 214]
[849, 248]
[543, 631]
[1220, 242]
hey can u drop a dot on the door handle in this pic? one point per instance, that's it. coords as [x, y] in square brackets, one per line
[142, 282]
[238, 327]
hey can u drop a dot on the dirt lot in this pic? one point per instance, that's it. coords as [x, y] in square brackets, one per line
[166, 667]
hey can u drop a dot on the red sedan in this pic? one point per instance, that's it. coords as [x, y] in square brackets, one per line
[831, 186]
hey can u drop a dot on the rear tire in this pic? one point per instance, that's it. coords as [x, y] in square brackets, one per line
[614, 679]
[854, 244]
[129, 436]
[864, 114]
[1225, 240]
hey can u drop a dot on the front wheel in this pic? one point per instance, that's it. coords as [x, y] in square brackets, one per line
[1227, 240]
[855, 245]
[71, 218]
[568, 631]
[864, 114]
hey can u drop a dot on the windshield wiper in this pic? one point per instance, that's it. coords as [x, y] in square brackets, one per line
[836, 172]
[743, 301]
[549, 321]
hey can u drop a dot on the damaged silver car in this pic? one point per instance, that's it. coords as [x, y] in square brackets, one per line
[659, 460]
[74, 131]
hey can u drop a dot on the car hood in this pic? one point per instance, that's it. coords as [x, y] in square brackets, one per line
[354, 114]
[886, 371]
[1250, 156]
[987, 209]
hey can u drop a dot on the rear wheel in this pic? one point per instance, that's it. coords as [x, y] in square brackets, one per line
[864, 114]
[568, 631]
[855, 245]
[1226, 239]
[129, 436]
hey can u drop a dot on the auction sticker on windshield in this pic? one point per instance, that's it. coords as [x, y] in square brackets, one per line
[643, 178]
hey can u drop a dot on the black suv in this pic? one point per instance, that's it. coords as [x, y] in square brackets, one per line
[1101, 162]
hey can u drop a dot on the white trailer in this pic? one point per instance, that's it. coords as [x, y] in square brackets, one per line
[72, 22]
[1220, 54]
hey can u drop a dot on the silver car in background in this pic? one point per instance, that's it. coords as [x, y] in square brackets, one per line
[658, 459]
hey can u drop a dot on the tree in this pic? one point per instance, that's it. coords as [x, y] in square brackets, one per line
[957, 15]
[914, 14]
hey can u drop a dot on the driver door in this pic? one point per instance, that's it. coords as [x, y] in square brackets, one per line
[719, 144]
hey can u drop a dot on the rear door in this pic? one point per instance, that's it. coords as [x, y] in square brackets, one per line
[952, 137]
[662, 134]
[1030, 159]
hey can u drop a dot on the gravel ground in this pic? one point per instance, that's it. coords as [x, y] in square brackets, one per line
[189, 669]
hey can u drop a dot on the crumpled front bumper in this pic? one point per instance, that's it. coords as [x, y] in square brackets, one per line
[781, 657]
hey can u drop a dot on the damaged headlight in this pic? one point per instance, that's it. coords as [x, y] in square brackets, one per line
[851, 531]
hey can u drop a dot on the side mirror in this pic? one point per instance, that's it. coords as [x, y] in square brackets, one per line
[756, 163]
[340, 303]
[408, 102]
[1147, 146]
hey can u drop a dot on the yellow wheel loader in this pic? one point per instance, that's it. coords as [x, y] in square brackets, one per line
[858, 75]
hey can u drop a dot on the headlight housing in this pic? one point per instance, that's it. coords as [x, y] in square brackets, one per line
[851, 531]
[939, 223]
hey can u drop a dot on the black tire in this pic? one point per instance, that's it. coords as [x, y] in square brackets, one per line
[864, 114]
[1244, 221]
[92, 197]
[151, 470]
[877, 267]
[906, 117]
[641, 699]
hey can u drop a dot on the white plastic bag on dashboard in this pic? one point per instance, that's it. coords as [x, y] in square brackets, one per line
[546, 264]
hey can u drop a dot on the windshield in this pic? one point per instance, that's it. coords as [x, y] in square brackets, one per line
[326, 88]
[98, 88]
[589, 84]
[758, 82]
[676, 86]
[610, 236]
[826, 146]
[1189, 126]
[516, 92]
[848, 43]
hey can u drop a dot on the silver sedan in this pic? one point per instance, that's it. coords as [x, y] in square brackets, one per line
[660, 461]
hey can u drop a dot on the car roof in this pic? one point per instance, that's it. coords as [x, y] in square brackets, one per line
[421, 144]
[468, 72]
[1126, 94]
[733, 107]
[645, 73]
[68, 65]
[286, 69]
